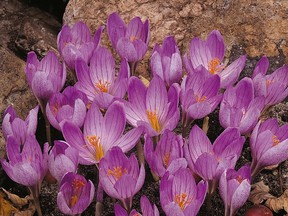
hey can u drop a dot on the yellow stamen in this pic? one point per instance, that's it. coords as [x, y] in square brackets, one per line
[200, 99]
[102, 86]
[166, 159]
[239, 179]
[275, 140]
[152, 117]
[117, 172]
[214, 66]
[133, 38]
[268, 82]
[77, 185]
[182, 200]
[95, 142]
[55, 108]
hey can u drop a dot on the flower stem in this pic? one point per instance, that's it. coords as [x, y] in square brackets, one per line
[132, 66]
[47, 123]
[35, 194]
[205, 125]
[140, 152]
[99, 200]
[185, 125]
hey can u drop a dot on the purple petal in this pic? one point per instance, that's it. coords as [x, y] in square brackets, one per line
[231, 74]
[102, 67]
[261, 67]
[126, 49]
[116, 28]
[216, 46]
[205, 166]
[114, 122]
[125, 187]
[129, 140]
[198, 143]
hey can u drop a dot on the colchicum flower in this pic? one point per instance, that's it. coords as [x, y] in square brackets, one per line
[77, 42]
[210, 54]
[101, 133]
[274, 87]
[209, 161]
[168, 155]
[62, 159]
[120, 176]
[26, 165]
[153, 107]
[179, 194]
[12, 125]
[166, 61]
[234, 188]
[130, 42]
[70, 105]
[98, 81]
[75, 194]
[269, 145]
[239, 108]
[199, 94]
[45, 77]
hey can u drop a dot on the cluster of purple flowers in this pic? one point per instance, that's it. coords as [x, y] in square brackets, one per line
[92, 116]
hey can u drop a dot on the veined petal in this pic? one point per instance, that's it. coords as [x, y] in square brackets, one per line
[114, 122]
[129, 140]
[198, 143]
[127, 50]
[157, 98]
[261, 67]
[102, 69]
[80, 33]
[116, 28]
[231, 74]
[74, 137]
[93, 124]
[206, 166]
[216, 46]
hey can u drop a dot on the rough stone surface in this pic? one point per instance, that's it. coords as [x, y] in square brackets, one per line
[14, 88]
[23, 29]
[260, 27]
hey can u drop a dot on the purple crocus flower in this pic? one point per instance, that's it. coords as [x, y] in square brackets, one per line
[75, 194]
[45, 77]
[166, 61]
[76, 42]
[269, 145]
[274, 87]
[209, 161]
[234, 188]
[146, 208]
[12, 125]
[210, 54]
[153, 107]
[26, 164]
[239, 108]
[199, 95]
[179, 194]
[101, 133]
[69, 105]
[130, 42]
[120, 176]
[168, 155]
[98, 80]
[62, 159]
